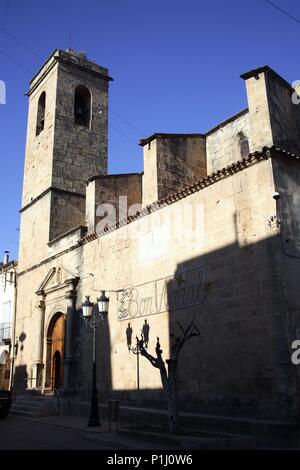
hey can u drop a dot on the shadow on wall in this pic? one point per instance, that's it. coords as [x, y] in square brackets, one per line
[21, 378]
[241, 362]
[84, 351]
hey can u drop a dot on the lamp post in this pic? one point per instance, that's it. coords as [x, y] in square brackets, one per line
[135, 350]
[93, 317]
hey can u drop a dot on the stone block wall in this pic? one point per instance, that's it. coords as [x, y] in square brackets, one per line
[171, 161]
[34, 232]
[274, 119]
[63, 154]
[67, 212]
[222, 142]
[259, 115]
[240, 363]
[61, 157]
[270, 119]
[284, 114]
[287, 180]
[235, 364]
[39, 148]
[79, 152]
[215, 254]
[123, 193]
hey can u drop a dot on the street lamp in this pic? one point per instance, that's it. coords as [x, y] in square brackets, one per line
[93, 317]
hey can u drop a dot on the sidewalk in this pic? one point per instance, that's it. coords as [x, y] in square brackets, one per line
[103, 434]
[130, 439]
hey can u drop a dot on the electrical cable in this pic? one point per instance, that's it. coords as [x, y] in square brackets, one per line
[282, 11]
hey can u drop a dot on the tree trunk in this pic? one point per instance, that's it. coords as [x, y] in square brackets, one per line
[172, 399]
[169, 387]
[173, 413]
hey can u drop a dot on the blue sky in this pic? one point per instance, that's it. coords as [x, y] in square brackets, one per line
[175, 64]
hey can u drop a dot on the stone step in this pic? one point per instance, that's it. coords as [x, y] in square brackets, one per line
[33, 406]
[23, 413]
[31, 411]
[23, 406]
[34, 397]
[34, 403]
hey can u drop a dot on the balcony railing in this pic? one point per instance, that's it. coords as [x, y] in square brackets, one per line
[5, 331]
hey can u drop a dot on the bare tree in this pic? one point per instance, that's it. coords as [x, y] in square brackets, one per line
[168, 373]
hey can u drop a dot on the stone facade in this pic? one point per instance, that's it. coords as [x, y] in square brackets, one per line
[117, 192]
[60, 159]
[214, 246]
[171, 161]
[222, 141]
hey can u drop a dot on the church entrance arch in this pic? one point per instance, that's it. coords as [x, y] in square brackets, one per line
[55, 351]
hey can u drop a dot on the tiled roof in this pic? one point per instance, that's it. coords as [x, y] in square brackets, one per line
[225, 172]
[273, 151]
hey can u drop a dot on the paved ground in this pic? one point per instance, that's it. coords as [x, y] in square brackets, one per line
[71, 432]
[21, 434]
[67, 433]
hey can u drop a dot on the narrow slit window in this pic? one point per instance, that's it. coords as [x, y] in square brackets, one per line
[244, 146]
[40, 123]
[82, 107]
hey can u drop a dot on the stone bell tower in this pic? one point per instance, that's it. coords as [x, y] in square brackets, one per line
[66, 144]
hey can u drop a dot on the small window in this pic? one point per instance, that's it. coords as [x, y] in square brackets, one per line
[244, 146]
[40, 123]
[82, 106]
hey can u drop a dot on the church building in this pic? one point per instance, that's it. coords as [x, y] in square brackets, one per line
[208, 231]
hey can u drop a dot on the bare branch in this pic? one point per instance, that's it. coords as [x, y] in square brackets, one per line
[168, 374]
[180, 326]
[154, 361]
[157, 362]
[189, 332]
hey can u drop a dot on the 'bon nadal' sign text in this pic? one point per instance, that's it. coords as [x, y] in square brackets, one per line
[182, 290]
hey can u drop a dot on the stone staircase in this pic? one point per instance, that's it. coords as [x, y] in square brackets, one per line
[31, 406]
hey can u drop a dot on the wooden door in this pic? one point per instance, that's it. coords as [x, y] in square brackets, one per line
[57, 352]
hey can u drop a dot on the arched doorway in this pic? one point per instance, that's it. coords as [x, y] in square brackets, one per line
[55, 351]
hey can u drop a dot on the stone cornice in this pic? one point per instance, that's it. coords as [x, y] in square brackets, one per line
[268, 71]
[47, 260]
[59, 56]
[160, 135]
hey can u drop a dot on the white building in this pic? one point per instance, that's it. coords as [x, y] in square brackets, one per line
[7, 309]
